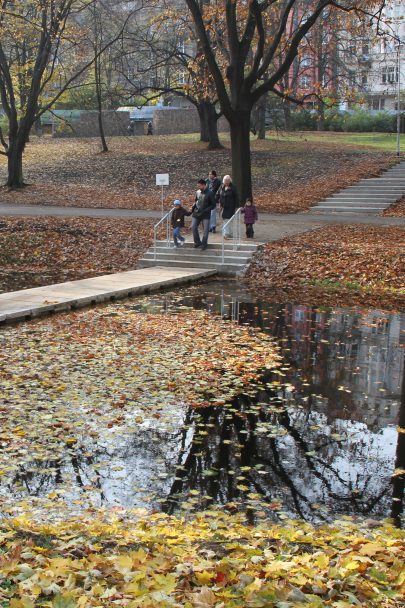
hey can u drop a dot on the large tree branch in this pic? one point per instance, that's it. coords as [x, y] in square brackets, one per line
[291, 53]
[269, 55]
[210, 56]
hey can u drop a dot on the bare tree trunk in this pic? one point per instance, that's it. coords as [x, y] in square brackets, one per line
[97, 78]
[99, 105]
[240, 143]
[261, 131]
[209, 124]
[204, 135]
[15, 171]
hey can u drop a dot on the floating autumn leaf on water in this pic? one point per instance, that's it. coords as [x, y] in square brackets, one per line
[108, 373]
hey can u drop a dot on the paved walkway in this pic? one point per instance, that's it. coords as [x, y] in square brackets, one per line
[29, 303]
[271, 226]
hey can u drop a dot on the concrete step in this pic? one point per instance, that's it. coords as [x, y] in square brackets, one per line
[351, 209]
[228, 245]
[235, 260]
[389, 180]
[358, 195]
[329, 203]
[362, 199]
[376, 188]
[220, 268]
[196, 259]
[370, 192]
[356, 201]
[183, 252]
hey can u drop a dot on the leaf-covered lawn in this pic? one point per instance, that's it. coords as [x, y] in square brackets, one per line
[338, 264]
[213, 560]
[397, 209]
[42, 251]
[287, 176]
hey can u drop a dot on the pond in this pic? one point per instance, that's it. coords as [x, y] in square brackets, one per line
[319, 439]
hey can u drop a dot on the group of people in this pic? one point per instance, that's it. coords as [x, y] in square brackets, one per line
[213, 197]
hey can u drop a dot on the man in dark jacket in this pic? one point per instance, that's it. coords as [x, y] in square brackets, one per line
[201, 213]
[213, 183]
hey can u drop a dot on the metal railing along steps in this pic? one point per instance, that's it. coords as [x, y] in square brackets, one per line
[229, 256]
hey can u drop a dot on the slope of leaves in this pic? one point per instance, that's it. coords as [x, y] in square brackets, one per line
[213, 560]
[287, 176]
[351, 264]
[397, 209]
[42, 251]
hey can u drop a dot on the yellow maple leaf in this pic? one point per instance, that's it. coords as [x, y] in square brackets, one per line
[371, 549]
[204, 577]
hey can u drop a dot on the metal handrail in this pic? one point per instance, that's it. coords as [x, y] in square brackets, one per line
[166, 218]
[236, 226]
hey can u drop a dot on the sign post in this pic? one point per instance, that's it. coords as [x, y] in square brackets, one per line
[162, 179]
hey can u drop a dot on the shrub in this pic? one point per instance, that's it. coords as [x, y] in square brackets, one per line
[303, 120]
[362, 121]
[334, 121]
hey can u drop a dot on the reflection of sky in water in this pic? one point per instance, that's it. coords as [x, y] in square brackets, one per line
[322, 441]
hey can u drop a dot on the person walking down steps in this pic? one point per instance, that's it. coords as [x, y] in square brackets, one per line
[213, 183]
[229, 201]
[250, 217]
[178, 215]
[201, 214]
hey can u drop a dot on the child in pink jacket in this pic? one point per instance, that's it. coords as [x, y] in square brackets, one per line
[250, 217]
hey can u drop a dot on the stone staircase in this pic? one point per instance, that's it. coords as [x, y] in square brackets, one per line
[235, 261]
[368, 196]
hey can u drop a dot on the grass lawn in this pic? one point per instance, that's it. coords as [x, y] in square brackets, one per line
[386, 142]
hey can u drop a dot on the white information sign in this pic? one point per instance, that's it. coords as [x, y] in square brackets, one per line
[162, 179]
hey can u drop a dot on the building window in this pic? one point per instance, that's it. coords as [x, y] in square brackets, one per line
[376, 104]
[389, 74]
[363, 78]
[305, 82]
[352, 47]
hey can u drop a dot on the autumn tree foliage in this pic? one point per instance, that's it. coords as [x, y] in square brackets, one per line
[44, 49]
[169, 62]
[249, 47]
[32, 34]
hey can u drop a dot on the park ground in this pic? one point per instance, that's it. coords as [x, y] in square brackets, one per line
[212, 558]
[288, 175]
[343, 264]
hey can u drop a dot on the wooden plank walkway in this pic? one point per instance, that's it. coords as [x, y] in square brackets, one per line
[29, 303]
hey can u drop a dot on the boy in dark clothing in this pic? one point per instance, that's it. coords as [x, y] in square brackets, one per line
[177, 218]
[250, 213]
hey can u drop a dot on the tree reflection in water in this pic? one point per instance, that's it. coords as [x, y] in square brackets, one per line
[320, 440]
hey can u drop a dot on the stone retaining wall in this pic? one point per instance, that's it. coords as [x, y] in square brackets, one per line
[115, 123]
[167, 121]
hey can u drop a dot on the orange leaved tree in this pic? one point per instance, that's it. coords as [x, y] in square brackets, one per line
[249, 46]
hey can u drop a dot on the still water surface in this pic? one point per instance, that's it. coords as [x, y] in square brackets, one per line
[321, 441]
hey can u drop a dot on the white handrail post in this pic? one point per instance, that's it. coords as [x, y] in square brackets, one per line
[155, 229]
